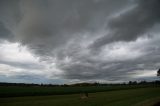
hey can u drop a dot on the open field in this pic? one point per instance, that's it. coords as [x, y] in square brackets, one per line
[15, 91]
[129, 97]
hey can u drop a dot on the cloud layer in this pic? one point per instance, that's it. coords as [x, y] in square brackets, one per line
[79, 40]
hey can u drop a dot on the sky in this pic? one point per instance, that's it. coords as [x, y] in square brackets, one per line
[71, 41]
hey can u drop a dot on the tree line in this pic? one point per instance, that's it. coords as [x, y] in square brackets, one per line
[157, 82]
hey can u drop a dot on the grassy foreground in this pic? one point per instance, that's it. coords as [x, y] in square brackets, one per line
[130, 97]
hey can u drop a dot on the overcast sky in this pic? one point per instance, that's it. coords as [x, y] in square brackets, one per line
[69, 41]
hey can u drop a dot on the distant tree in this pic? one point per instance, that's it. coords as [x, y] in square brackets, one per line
[130, 82]
[143, 82]
[158, 72]
[134, 82]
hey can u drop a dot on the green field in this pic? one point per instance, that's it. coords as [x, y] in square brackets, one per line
[127, 97]
[15, 91]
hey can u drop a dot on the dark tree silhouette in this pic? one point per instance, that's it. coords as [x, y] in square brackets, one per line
[158, 72]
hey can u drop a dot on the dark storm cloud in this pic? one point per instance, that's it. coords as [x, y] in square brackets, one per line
[68, 33]
[48, 26]
[4, 32]
[132, 24]
[88, 67]
[9, 17]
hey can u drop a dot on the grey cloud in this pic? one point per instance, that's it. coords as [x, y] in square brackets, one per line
[132, 24]
[61, 31]
[4, 32]
[23, 65]
[88, 67]
[9, 17]
[46, 25]
[10, 13]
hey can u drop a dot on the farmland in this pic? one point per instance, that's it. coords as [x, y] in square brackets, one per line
[15, 91]
[71, 96]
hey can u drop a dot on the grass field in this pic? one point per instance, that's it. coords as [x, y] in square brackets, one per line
[129, 97]
[15, 91]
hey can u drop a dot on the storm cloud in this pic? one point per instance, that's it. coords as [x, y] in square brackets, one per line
[130, 25]
[81, 40]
